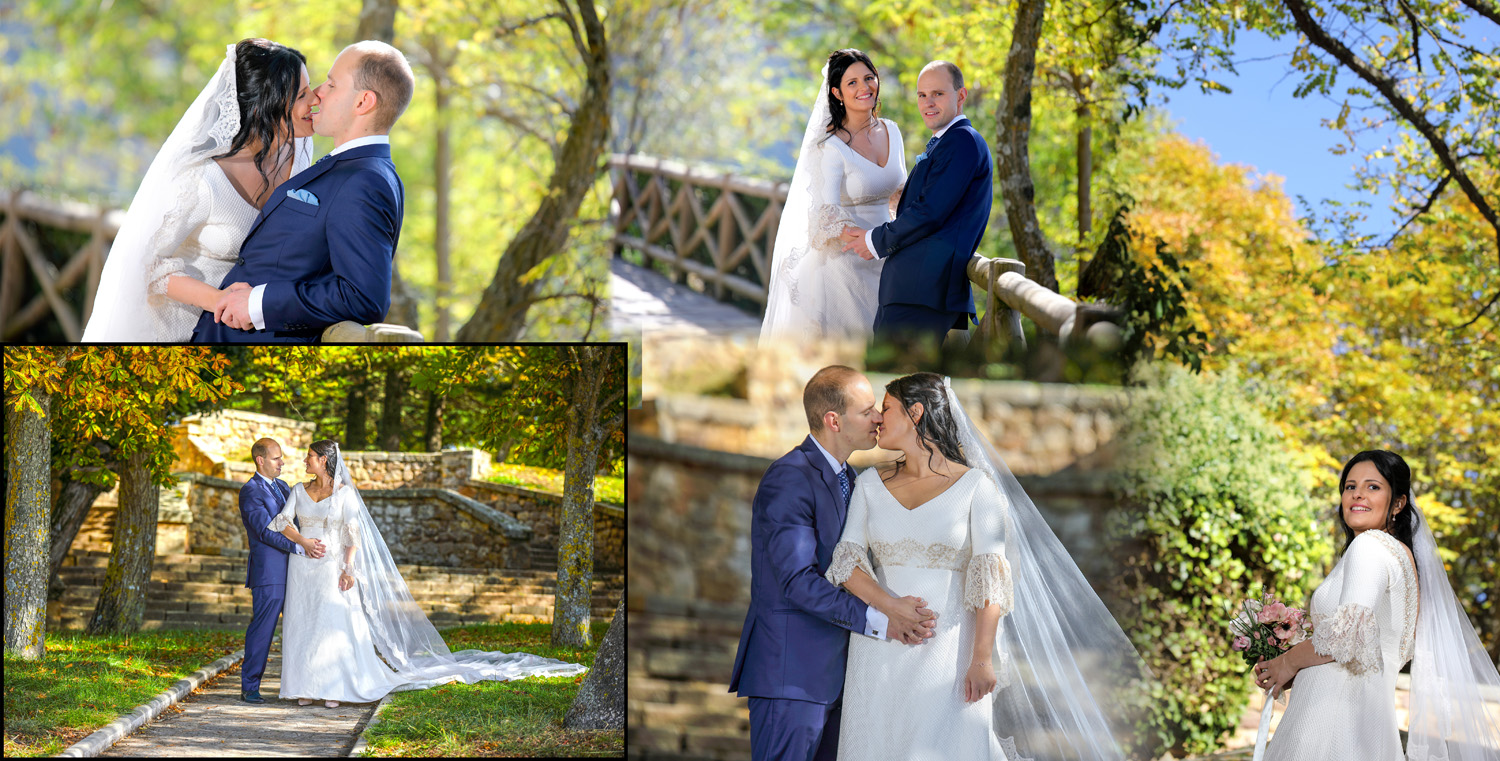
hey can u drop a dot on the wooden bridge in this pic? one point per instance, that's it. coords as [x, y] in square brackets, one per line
[52, 253]
[702, 242]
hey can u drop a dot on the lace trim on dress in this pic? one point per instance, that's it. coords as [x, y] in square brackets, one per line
[848, 556]
[350, 533]
[825, 224]
[988, 579]
[1350, 636]
[914, 554]
[166, 242]
[280, 522]
[1413, 594]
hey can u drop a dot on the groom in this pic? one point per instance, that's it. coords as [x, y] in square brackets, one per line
[795, 641]
[261, 499]
[940, 219]
[320, 252]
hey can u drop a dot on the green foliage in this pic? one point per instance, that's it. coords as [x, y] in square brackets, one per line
[1218, 505]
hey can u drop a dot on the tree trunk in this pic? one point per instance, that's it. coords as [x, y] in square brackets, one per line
[72, 506]
[601, 700]
[433, 433]
[356, 414]
[1085, 171]
[28, 498]
[501, 314]
[1014, 117]
[122, 598]
[390, 413]
[377, 21]
[575, 547]
[442, 161]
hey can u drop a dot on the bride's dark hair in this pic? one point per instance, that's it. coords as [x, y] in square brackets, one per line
[838, 62]
[936, 431]
[1397, 473]
[330, 449]
[267, 77]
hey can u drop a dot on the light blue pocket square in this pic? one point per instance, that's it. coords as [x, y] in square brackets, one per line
[302, 195]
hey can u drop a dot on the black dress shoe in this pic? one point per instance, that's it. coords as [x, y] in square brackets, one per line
[252, 697]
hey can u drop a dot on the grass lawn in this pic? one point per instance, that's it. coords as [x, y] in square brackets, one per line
[607, 489]
[520, 718]
[85, 682]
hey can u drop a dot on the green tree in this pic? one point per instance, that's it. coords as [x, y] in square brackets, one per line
[32, 377]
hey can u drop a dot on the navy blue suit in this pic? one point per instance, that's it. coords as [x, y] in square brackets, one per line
[795, 641]
[942, 216]
[331, 261]
[266, 576]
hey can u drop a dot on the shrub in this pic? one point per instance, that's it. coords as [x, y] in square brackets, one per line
[1217, 504]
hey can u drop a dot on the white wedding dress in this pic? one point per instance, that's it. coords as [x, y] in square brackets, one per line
[817, 289]
[1364, 615]
[328, 651]
[907, 701]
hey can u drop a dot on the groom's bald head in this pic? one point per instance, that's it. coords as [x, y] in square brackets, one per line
[267, 456]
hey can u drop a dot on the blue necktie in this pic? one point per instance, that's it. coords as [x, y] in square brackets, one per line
[844, 485]
[925, 151]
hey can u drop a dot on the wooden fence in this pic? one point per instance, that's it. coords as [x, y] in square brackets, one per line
[716, 231]
[51, 255]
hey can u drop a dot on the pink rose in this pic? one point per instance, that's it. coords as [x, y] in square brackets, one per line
[1284, 632]
[1241, 643]
[1272, 613]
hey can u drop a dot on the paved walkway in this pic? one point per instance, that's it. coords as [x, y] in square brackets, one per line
[642, 301]
[214, 722]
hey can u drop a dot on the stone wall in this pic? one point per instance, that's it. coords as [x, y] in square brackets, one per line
[542, 510]
[1038, 428]
[207, 442]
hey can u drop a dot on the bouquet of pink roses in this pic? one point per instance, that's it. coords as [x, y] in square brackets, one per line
[1266, 628]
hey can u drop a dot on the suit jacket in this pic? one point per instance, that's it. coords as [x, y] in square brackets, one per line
[944, 210]
[796, 636]
[323, 263]
[259, 503]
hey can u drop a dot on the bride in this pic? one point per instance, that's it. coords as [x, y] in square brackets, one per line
[1386, 602]
[1017, 624]
[850, 167]
[350, 629]
[247, 132]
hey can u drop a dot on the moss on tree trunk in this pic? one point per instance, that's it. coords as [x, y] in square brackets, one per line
[122, 599]
[28, 497]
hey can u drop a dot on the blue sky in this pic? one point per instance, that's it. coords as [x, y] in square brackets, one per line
[1261, 125]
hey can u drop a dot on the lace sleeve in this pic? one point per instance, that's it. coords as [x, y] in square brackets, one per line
[848, 556]
[827, 218]
[988, 581]
[169, 252]
[349, 526]
[1349, 636]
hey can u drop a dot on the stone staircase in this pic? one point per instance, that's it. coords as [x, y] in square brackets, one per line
[208, 592]
[680, 659]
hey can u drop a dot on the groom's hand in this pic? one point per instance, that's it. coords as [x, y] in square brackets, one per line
[233, 309]
[854, 240]
[911, 619]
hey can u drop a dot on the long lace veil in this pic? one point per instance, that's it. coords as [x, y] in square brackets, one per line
[789, 294]
[1452, 676]
[1068, 656]
[402, 634]
[206, 130]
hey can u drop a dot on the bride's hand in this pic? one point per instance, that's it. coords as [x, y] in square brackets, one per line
[980, 681]
[346, 582]
[1276, 674]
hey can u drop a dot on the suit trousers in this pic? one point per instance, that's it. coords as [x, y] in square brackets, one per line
[266, 604]
[794, 729]
[915, 319]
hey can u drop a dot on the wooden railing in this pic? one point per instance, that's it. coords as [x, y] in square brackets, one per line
[716, 231]
[52, 253]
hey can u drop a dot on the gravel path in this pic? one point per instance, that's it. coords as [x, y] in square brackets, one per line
[214, 722]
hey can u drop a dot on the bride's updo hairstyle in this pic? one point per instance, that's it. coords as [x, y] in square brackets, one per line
[267, 76]
[839, 62]
[1397, 473]
[936, 431]
[328, 448]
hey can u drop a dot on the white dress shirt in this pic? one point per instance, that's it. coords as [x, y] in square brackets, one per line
[257, 316]
[875, 621]
[276, 491]
[870, 234]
